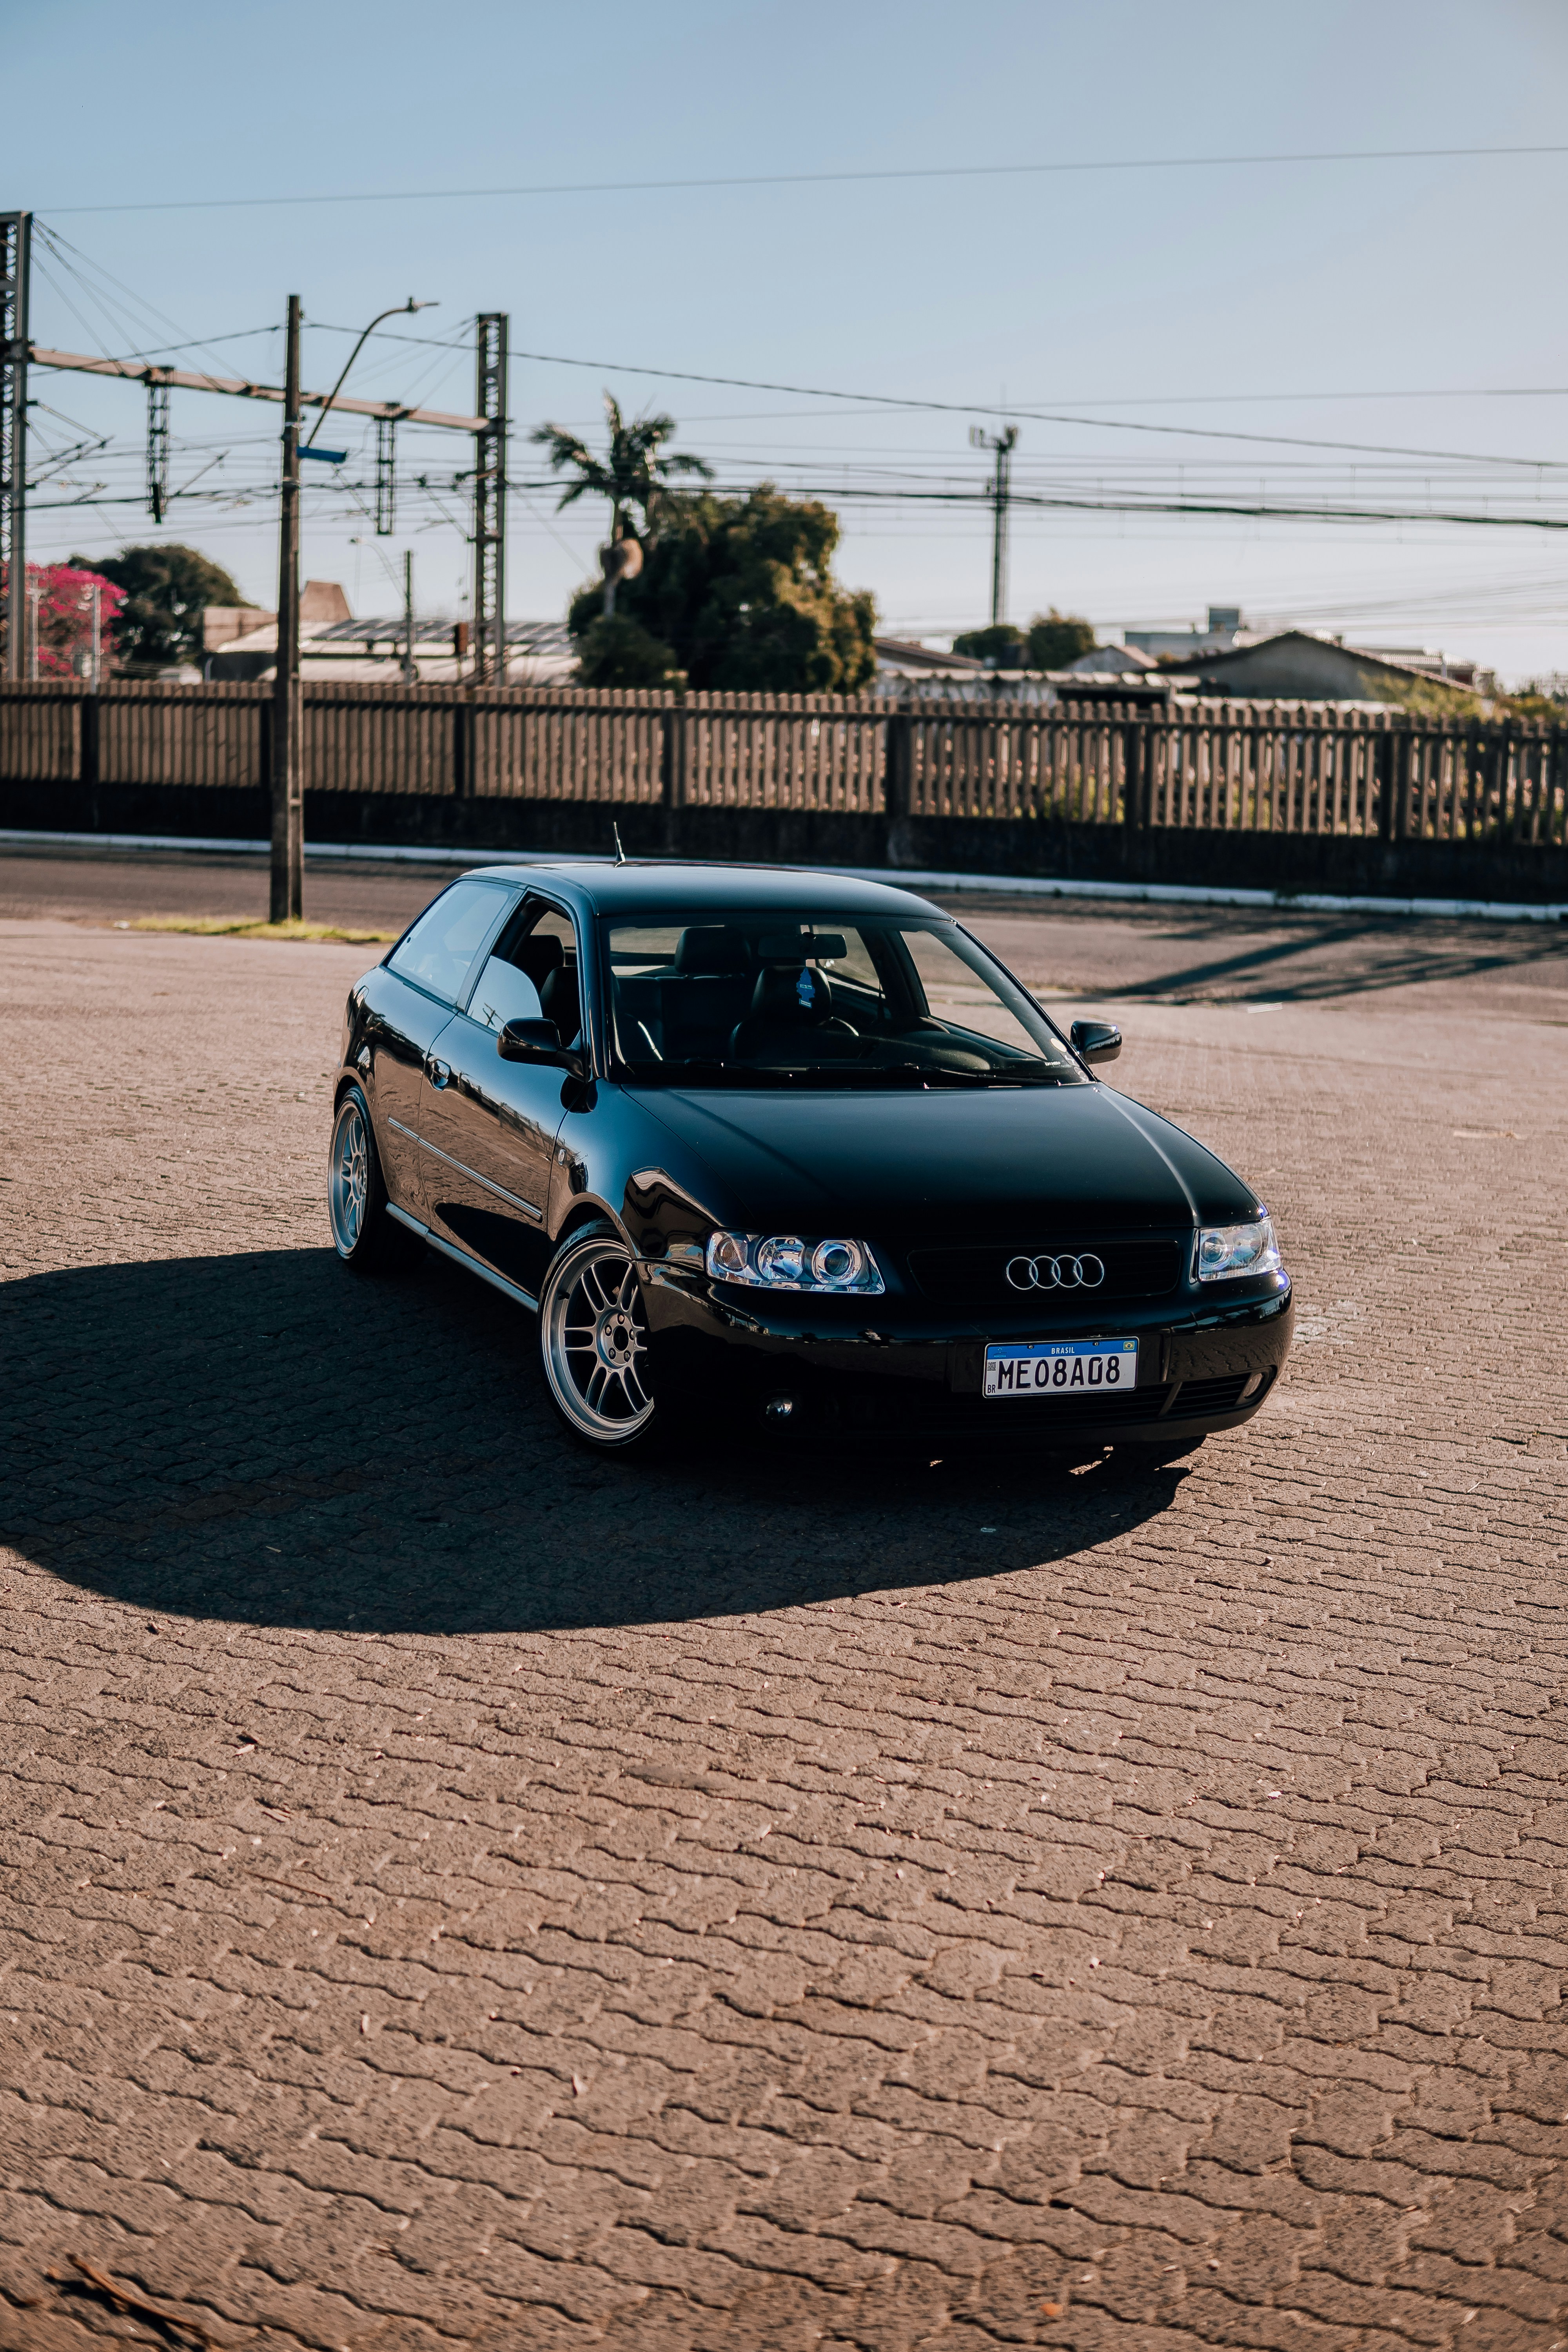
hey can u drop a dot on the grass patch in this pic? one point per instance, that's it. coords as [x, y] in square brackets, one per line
[219, 926]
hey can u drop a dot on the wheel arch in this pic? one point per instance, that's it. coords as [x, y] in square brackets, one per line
[587, 1209]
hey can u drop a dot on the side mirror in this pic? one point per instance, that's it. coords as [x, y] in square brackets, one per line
[1092, 1041]
[540, 1042]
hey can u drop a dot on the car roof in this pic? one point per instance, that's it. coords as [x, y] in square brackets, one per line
[647, 886]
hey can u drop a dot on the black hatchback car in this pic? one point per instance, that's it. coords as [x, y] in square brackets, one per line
[774, 1147]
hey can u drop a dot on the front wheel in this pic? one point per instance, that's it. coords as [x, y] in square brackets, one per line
[363, 1235]
[593, 1341]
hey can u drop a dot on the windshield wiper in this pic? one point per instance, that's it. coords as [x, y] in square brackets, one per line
[1029, 1074]
[710, 1071]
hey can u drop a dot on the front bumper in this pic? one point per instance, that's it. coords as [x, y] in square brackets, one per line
[878, 1368]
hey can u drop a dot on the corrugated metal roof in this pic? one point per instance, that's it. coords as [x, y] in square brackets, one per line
[524, 636]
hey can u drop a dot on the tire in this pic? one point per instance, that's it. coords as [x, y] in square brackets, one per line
[593, 1344]
[363, 1235]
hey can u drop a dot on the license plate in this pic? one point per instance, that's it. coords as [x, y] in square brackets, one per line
[1060, 1368]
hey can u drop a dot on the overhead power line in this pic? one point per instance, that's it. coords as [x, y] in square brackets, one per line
[818, 179]
[1034, 415]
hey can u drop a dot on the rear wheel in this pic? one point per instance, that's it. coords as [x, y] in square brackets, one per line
[593, 1341]
[363, 1234]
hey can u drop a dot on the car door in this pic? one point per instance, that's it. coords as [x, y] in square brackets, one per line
[494, 1128]
[408, 1001]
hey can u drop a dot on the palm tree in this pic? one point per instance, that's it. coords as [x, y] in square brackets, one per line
[634, 473]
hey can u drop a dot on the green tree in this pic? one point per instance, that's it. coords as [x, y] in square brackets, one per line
[741, 591]
[165, 589]
[1052, 640]
[1000, 646]
[615, 650]
[636, 474]
[1055, 640]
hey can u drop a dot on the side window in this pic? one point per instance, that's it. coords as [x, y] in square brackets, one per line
[438, 953]
[504, 993]
[532, 975]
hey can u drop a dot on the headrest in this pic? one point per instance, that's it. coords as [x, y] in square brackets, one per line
[538, 956]
[800, 994]
[710, 948]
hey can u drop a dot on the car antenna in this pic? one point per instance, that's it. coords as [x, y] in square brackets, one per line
[620, 853]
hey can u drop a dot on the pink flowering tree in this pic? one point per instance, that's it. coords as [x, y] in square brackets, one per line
[64, 623]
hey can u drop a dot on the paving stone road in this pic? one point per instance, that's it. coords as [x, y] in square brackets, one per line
[454, 1892]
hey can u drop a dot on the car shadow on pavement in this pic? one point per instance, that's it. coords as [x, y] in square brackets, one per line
[269, 1439]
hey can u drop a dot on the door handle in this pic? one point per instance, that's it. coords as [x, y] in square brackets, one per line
[439, 1072]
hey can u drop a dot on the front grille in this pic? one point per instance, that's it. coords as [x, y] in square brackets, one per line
[1195, 1397]
[977, 1277]
[933, 1411]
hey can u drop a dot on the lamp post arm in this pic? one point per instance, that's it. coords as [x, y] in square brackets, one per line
[396, 311]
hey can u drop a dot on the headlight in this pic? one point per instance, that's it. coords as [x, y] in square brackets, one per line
[1230, 1250]
[786, 1261]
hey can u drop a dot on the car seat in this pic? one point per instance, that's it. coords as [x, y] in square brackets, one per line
[792, 1015]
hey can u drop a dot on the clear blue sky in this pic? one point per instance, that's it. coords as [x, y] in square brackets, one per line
[1387, 303]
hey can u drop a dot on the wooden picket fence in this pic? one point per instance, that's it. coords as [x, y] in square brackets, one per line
[1260, 767]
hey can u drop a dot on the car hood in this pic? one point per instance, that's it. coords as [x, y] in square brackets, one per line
[933, 1163]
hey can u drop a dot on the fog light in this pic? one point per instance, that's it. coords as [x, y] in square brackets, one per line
[778, 1408]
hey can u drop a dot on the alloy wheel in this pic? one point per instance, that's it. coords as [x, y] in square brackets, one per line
[348, 1178]
[596, 1342]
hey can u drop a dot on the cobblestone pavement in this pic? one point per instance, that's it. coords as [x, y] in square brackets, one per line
[459, 1893]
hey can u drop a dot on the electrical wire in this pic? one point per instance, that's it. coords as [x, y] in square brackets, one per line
[820, 179]
[1031, 414]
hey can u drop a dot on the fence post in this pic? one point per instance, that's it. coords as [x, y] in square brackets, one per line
[672, 756]
[897, 769]
[464, 729]
[88, 748]
[1134, 794]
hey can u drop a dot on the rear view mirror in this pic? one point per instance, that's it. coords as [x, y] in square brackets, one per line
[802, 946]
[1093, 1041]
[539, 1042]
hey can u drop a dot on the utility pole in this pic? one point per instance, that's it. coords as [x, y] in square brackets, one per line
[1002, 445]
[16, 259]
[409, 672]
[157, 449]
[385, 475]
[488, 609]
[287, 901]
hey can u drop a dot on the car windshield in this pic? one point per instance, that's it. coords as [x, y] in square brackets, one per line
[770, 999]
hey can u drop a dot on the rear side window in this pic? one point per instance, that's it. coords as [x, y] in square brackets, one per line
[438, 953]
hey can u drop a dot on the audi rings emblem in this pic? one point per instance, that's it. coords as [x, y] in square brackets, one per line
[1085, 1273]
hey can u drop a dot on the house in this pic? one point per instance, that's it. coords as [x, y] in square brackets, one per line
[1225, 630]
[241, 642]
[904, 664]
[1296, 667]
[1112, 662]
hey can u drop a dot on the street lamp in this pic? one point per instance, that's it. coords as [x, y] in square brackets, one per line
[398, 310]
[287, 896]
